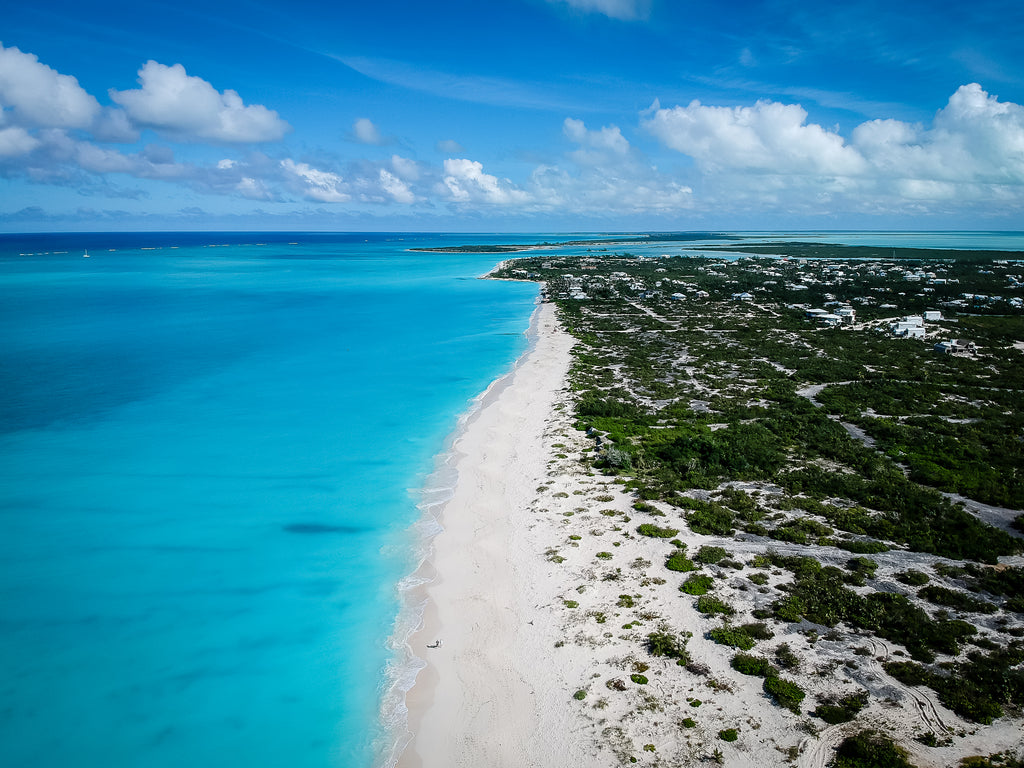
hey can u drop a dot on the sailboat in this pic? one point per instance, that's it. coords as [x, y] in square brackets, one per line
[86, 254]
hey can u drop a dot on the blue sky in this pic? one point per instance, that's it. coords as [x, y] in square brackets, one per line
[511, 115]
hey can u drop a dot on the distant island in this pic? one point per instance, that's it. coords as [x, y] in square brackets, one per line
[682, 237]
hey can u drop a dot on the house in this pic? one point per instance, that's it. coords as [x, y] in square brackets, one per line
[956, 347]
[911, 327]
[743, 296]
[932, 316]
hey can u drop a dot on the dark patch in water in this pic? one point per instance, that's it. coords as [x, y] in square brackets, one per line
[320, 528]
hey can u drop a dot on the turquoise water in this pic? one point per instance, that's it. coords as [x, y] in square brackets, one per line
[209, 460]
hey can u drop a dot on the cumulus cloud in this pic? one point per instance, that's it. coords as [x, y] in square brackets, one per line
[39, 96]
[609, 138]
[16, 141]
[626, 10]
[397, 189]
[466, 181]
[189, 108]
[768, 137]
[315, 184]
[972, 151]
[974, 138]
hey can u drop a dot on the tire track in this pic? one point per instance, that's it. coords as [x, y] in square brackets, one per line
[925, 702]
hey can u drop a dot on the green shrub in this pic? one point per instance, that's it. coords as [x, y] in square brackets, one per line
[870, 749]
[668, 644]
[657, 532]
[732, 637]
[638, 679]
[862, 546]
[953, 598]
[785, 657]
[834, 711]
[711, 605]
[711, 520]
[709, 555]
[697, 584]
[786, 693]
[603, 555]
[678, 561]
[580, 695]
[729, 734]
[758, 630]
[689, 722]
[863, 565]
[912, 578]
[755, 666]
[907, 672]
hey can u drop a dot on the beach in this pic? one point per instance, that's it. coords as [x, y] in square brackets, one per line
[486, 696]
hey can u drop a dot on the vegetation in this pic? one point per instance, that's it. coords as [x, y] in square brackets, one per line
[870, 749]
[842, 709]
[697, 584]
[703, 408]
[678, 561]
[753, 665]
[647, 529]
[786, 693]
[669, 645]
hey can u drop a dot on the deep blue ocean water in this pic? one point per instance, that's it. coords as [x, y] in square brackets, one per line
[209, 459]
[211, 454]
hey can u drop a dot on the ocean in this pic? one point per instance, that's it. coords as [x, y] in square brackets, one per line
[212, 450]
[216, 450]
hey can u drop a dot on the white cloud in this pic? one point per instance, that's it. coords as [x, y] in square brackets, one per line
[189, 108]
[609, 138]
[253, 189]
[626, 10]
[113, 125]
[466, 181]
[314, 184]
[768, 137]
[396, 188]
[768, 156]
[405, 169]
[16, 141]
[39, 96]
[365, 132]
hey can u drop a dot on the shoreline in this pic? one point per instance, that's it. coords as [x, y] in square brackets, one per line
[479, 697]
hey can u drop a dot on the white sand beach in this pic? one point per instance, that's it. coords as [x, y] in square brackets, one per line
[542, 597]
[488, 695]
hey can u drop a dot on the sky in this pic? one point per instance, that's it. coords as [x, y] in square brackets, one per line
[511, 115]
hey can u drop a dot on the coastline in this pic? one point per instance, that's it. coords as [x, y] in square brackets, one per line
[480, 697]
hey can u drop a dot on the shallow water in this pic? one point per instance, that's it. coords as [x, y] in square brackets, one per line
[209, 460]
